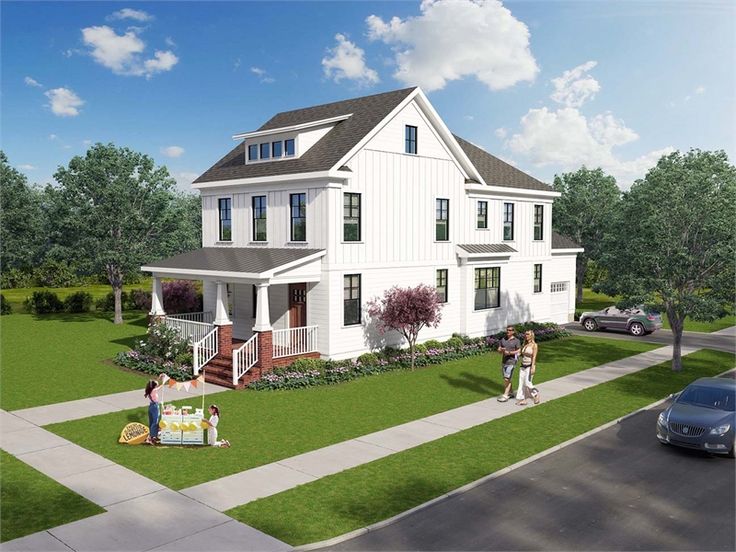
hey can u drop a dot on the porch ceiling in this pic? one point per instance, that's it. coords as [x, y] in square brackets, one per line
[234, 262]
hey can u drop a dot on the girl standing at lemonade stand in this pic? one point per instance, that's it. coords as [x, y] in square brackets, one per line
[212, 428]
[151, 394]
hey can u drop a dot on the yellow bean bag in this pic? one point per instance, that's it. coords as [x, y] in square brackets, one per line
[133, 434]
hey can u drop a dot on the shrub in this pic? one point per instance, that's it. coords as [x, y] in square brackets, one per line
[79, 301]
[306, 364]
[16, 278]
[433, 344]
[181, 296]
[455, 342]
[420, 348]
[43, 302]
[55, 274]
[369, 359]
[5, 307]
[139, 299]
[162, 351]
[106, 303]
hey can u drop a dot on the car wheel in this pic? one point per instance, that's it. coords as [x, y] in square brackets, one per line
[636, 329]
[590, 325]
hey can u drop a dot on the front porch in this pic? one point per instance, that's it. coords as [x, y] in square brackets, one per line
[252, 322]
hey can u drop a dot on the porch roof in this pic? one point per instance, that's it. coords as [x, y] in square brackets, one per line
[234, 262]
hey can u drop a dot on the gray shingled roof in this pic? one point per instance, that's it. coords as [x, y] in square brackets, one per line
[251, 260]
[367, 112]
[485, 248]
[499, 173]
[561, 242]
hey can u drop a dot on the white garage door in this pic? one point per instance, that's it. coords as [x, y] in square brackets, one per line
[560, 297]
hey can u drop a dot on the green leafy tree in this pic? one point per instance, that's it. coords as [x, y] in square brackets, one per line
[112, 211]
[186, 210]
[674, 245]
[584, 213]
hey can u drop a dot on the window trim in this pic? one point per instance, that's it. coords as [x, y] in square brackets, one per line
[359, 299]
[254, 232]
[220, 239]
[541, 222]
[503, 227]
[291, 218]
[437, 281]
[475, 290]
[281, 144]
[446, 220]
[345, 195]
[408, 142]
[478, 214]
[535, 281]
[261, 157]
[289, 155]
[257, 148]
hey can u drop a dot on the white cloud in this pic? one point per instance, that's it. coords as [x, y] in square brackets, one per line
[27, 167]
[469, 117]
[566, 138]
[347, 61]
[64, 103]
[700, 89]
[453, 39]
[170, 42]
[261, 73]
[128, 13]
[32, 82]
[172, 151]
[501, 132]
[575, 86]
[86, 142]
[53, 137]
[184, 179]
[124, 53]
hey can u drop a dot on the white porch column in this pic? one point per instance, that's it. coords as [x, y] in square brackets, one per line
[157, 298]
[263, 315]
[221, 308]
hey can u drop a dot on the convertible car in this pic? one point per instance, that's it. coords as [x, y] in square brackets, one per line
[635, 320]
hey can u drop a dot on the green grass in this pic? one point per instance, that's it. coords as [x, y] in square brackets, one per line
[17, 296]
[53, 358]
[268, 426]
[597, 301]
[372, 492]
[32, 502]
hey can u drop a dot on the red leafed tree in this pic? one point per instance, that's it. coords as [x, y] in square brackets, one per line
[407, 310]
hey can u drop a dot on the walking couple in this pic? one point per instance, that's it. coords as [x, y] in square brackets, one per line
[510, 349]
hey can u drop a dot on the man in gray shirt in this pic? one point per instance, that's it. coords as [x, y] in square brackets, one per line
[509, 347]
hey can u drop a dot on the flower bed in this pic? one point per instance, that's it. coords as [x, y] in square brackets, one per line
[163, 351]
[310, 372]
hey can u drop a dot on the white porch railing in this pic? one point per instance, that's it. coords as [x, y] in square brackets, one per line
[294, 341]
[244, 357]
[192, 326]
[205, 350]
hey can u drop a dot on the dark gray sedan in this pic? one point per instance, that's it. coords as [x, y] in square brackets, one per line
[701, 417]
[636, 320]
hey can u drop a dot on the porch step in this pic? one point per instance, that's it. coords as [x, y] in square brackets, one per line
[220, 372]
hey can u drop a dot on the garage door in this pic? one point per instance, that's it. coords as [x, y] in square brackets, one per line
[560, 297]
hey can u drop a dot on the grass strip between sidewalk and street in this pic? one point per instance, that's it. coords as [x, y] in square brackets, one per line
[32, 502]
[364, 495]
[267, 426]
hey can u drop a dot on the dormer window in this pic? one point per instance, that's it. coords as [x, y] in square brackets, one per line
[289, 147]
[266, 151]
[253, 152]
[277, 148]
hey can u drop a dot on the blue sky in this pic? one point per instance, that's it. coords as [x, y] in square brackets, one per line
[547, 86]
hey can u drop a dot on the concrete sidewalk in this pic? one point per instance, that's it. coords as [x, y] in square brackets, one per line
[241, 488]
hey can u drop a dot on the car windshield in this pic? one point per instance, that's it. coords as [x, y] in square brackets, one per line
[710, 397]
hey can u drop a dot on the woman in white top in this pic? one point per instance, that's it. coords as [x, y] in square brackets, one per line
[212, 428]
[526, 388]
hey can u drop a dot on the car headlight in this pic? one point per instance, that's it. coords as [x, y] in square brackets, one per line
[720, 430]
[662, 420]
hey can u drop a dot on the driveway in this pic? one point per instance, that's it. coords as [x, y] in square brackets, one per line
[619, 489]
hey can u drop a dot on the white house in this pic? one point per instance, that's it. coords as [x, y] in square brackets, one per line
[323, 208]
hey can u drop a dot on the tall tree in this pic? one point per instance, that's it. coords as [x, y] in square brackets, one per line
[584, 212]
[21, 219]
[113, 209]
[674, 247]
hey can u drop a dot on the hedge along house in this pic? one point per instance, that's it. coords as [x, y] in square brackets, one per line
[323, 208]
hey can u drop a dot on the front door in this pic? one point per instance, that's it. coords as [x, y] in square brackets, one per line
[297, 305]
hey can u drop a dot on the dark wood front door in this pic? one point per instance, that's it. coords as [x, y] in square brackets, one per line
[297, 305]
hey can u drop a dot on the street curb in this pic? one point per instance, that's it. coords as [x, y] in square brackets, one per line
[465, 488]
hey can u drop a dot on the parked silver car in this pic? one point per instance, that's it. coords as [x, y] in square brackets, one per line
[701, 417]
[636, 320]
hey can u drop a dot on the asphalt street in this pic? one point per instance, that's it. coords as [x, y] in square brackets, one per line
[619, 489]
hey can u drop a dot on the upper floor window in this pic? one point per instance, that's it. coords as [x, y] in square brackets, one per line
[539, 222]
[351, 299]
[442, 285]
[289, 147]
[265, 151]
[277, 149]
[442, 227]
[298, 203]
[410, 135]
[351, 217]
[259, 218]
[482, 214]
[226, 229]
[537, 278]
[253, 152]
[487, 288]
[508, 221]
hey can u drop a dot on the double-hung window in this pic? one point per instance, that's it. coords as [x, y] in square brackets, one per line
[482, 215]
[442, 221]
[487, 288]
[298, 203]
[277, 149]
[539, 222]
[508, 221]
[289, 147]
[537, 278]
[253, 152]
[410, 139]
[351, 217]
[442, 285]
[226, 228]
[265, 151]
[259, 219]
[351, 299]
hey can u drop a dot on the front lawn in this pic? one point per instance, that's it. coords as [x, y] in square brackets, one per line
[267, 426]
[593, 301]
[33, 502]
[360, 496]
[51, 358]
